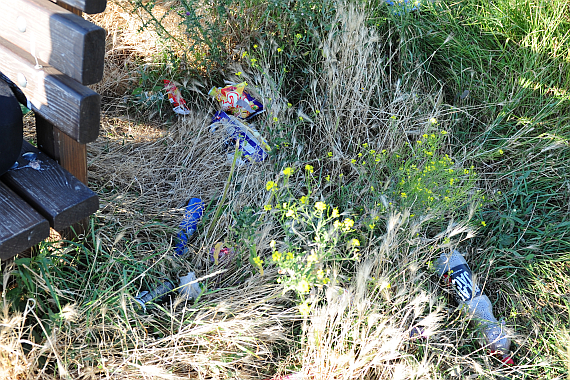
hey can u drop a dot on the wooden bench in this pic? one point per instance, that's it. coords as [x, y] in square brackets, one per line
[50, 53]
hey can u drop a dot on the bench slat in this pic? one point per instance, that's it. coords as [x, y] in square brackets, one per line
[87, 6]
[56, 36]
[74, 108]
[60, 197]
[21, 227]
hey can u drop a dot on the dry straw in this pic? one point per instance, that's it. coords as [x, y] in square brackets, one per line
[359, 328]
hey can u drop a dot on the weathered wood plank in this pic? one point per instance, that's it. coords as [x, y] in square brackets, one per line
[57, 195]
[74, 108]
[64, 40]
[21, 227]
[87, 6]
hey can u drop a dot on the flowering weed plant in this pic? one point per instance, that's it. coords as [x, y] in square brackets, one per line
[316, 235]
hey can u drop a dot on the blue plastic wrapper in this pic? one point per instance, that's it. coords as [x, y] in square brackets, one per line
[252, 145]
[192, 215]
[251, 99]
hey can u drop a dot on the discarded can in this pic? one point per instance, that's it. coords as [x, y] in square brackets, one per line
[235, 100]
[252, 145]
[158, 295]
[175, 98]
[453, 268]
[193, 213]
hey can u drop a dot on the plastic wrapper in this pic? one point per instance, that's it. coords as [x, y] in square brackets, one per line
[235, 100]
[175, 98]
[253, 147]
[189, 287]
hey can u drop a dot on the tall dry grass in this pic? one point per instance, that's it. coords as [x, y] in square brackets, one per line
[243, 327]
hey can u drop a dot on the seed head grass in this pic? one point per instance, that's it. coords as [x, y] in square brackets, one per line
[352, 102]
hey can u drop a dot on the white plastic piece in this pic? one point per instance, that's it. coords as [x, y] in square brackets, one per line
[189, 286]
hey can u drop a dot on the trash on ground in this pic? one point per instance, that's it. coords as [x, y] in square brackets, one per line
[192, 214]
[220, 254]
[175, 98]
[159, 294]
[453, 268]
[189, 286]
[235, 100]
[252, 145]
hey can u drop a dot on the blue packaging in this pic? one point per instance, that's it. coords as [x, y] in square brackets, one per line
[253, 146]
[189, 224]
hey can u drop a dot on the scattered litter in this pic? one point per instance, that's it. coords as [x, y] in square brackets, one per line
[454, 269]
[190, 287]
[252, 145]
[235, 100]
[175, 98]
[220, 254]
[157, 295]
[193, 213]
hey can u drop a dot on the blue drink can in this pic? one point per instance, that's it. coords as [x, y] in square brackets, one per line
[193, 212]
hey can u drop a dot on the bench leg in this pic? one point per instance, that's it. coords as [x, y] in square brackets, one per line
[71, 155]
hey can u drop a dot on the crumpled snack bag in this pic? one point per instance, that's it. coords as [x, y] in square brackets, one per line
[175, 98]
[236, 101]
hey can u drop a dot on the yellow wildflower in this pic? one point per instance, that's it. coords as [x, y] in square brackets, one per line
[304, 308]
[321, 206]
[303, 286]
[312, 258]
[276, 256]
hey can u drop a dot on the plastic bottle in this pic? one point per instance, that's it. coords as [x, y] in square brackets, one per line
[453, 267]
[189, 224]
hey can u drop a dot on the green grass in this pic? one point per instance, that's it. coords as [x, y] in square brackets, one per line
[349, 90]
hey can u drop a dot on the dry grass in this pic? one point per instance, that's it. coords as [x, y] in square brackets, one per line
[244, 327]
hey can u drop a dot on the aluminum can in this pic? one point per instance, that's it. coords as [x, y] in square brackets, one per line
[157, 295]
[453, 268]
[192, 215]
